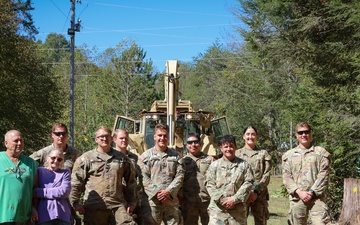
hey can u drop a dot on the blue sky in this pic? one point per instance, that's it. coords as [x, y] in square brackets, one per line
[166, 30]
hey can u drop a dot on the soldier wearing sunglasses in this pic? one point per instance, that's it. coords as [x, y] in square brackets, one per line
[60, 137]
[306, 175]
[195, 198]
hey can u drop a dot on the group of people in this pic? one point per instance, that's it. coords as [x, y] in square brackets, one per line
[111, 185]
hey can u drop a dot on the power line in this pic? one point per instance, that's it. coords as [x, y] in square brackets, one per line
[137, 61]
[182, 73]
[146, 46]
[66, 16]
[163, 10]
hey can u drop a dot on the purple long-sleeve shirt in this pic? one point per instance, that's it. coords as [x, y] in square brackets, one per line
[53, 192]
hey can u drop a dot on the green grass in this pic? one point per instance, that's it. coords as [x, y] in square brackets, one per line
[278, 205]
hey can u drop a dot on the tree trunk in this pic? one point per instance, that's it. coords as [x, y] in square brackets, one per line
[350, 213]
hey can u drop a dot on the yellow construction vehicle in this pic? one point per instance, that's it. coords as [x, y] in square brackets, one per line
[179, 115]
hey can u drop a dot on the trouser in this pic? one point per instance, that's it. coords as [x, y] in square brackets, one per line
[13, 223]
[227, 217]
[193, 211]
[55, 222]
[75, 219]
[317, 210]
[114, 216]
[259, 209]
[168, 213]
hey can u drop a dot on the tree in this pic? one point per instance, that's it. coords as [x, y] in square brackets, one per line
[28, 97]
[132, 84]
[321, 40]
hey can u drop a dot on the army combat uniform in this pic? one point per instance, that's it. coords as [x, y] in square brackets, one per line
[139, 189]
[101, 176]
[260, 162]
[308, 170]
[138, 176]
[70, 155]
[229, 179]
[162, 171]
[194, 194]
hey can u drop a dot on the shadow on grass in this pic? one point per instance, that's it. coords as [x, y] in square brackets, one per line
[280, 215]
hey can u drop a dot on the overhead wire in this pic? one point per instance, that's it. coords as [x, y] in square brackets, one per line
[135, 31]
[67, 17]
[162, 10]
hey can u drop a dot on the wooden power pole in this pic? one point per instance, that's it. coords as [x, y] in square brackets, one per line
[71, 31]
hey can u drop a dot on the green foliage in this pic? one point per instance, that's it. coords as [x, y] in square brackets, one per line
[131, 80]
[308, 51]
[28, 96]
[116, 82]
[299, 61]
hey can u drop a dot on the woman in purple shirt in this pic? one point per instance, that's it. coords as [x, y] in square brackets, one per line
[53, 191]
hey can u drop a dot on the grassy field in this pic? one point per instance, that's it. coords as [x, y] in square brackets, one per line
[278, 205]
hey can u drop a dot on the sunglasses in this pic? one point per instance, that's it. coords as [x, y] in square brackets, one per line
[60, 133]
[193, 142]
[57, 159]
[303, 132]
[103, 136]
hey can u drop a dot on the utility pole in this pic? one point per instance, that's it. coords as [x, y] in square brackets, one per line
[71, 31]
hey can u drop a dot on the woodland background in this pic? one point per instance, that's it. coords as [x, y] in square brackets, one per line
[299, 62]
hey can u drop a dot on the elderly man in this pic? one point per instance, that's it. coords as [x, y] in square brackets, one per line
[106, 177]
[306, 171]
[17, 175]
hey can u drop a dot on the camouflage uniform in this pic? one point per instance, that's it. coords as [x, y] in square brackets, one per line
[260, 162]
[195, 197]
[229, 179]
[139, 189]
[162, 171]
[138, 177]
[70, 155]
[307, 169]
[101, 176]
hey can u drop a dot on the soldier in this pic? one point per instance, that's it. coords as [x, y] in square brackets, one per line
[195, 199]
[60, 136]
[260, 162]
[306, 175]
[229, 182]
[100, 174]
[163, 174]
[17, 177]
[121, 140]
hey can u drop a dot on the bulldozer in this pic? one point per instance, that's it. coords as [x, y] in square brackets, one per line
[179, 115]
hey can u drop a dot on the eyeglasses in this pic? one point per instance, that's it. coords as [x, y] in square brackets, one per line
[103, 136]
[57, 159]
[303, 132]
[60, 133]
[193, 142]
